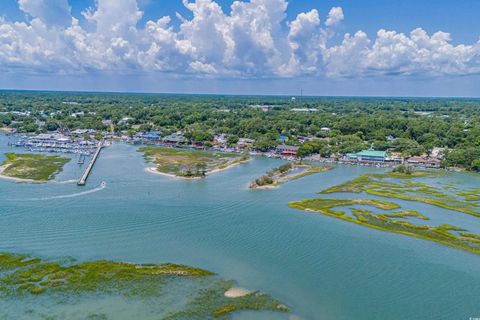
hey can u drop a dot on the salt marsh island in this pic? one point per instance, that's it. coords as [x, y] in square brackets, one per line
[191, 164]
[286, 172]
[23, 277]
[32, 167]
[400, 186]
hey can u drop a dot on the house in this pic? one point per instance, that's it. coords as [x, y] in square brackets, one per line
[220, 139]
[368, 156]
[264, 108]
[83, 131]
[244, 142]
[39, 123]
[147, 137]
[285, 150]
[283, 139]
[325, 129]
[424, 162]
[395, 157]
[124, 120]
[438, 152]
[305, 110]
[77, 114]
[175, 138]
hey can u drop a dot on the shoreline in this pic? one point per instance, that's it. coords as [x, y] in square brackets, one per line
[169, 175]
[231, 165]
[311, 158]
[154, 170]
[280, 179]
[18, 180]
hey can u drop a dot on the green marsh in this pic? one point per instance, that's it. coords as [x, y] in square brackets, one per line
[22, 276]
[189, 163]
[37, 167]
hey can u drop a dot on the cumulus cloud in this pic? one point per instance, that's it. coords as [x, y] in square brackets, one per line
[252, 39]
[52, 12]
[335, 16]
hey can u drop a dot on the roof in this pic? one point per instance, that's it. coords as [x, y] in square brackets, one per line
[372, 153]
[283, 147]
[417, 159]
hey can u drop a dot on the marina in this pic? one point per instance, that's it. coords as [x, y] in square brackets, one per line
[55, 143]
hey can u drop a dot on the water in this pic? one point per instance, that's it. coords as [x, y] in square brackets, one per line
[323, 268]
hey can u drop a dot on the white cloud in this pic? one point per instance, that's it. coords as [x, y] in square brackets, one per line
[114, 17]
[252, 39]
[52, 12]
[335, 16]
[305, 39]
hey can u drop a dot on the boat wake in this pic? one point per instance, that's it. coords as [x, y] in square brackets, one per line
[102, 186]
[66, 181]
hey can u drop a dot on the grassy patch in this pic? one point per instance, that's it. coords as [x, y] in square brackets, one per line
[376, 184]
[393, 222]
[211, 303]
[287, 172]
[326, 206]
[35, 276]
[37, 167]
[470, 195]
[189, 163]
[23, 276]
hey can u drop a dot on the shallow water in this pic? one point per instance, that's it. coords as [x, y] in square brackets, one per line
[323, 268]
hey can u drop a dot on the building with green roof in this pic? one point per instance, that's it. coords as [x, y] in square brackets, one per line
[368, 156]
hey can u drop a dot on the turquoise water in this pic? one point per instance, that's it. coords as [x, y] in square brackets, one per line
[323, 268]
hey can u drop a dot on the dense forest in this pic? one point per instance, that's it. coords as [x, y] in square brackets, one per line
[409, 126]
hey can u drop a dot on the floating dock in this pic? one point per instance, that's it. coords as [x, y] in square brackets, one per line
[83, 179]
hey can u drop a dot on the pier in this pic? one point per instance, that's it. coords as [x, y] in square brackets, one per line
[83, 179]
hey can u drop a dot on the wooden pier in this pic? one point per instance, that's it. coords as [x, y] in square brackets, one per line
[83, 179]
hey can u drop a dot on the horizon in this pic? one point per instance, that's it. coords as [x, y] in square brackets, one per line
[239, 95]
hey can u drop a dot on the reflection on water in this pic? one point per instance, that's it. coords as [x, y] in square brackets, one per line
[322, 267]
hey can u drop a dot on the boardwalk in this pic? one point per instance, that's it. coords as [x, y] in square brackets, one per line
[83, 179]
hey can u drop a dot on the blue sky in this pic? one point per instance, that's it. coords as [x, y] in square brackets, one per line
[262, 47]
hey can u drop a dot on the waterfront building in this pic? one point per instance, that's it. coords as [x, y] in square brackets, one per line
[368, 156]
[244, 142]
[175, 138]
[148, 137]
[285, 150]
[424, 162]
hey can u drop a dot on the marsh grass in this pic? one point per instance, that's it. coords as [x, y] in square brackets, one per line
[378, 185]
[22, 276]
[392, 222]
[285, 173]
[36, 167]
[189, 163]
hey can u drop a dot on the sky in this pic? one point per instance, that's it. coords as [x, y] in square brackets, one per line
[318, 47]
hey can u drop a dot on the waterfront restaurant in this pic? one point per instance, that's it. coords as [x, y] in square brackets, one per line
[424, 162]
[285, 150]
[368, 156]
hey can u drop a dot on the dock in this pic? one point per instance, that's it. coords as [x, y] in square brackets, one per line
[86, 173]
